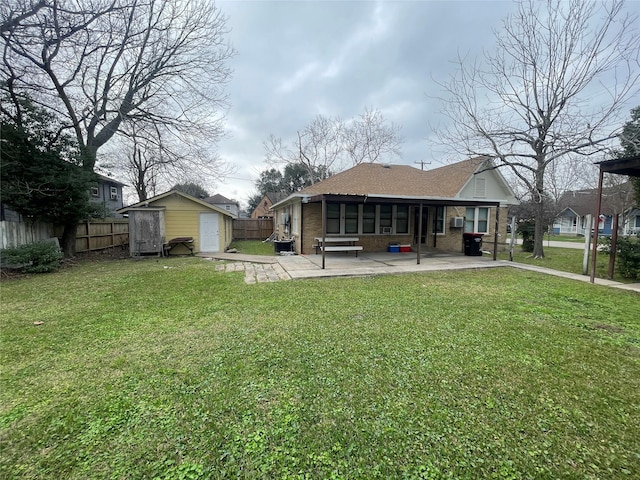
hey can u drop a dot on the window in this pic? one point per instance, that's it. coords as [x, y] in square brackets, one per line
[477, 220]
[368, 219]
[227, 208]
[386, 218]
[95, 192]
[438, 221]
[114, 193]
[402, 219]
[333, 218]
[351, 219]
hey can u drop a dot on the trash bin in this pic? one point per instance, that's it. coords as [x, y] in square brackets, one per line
[283, 245]
[472, 244]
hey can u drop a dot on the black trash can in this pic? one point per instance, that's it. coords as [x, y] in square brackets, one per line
[283, 245]
[472, 244]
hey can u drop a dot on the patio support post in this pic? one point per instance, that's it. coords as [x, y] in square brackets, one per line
[596, 221]
[496, 234]
[419, 233]
[614, 246]
[324, 227]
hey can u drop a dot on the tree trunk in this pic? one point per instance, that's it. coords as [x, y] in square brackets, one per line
[68, 240]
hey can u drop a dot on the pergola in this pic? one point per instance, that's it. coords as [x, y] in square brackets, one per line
[419, 202]
[619, 166]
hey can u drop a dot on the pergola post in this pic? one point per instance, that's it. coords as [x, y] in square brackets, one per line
[596, 220]
[496, 234]
[324, 227]
[419, 236]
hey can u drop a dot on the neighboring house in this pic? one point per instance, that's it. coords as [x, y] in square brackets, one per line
[229, 206]
[381, 204]
[108, 193]
[174, 214]
[263, 210]
[577, 206]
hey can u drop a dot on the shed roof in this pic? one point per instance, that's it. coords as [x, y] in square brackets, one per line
[150, 201]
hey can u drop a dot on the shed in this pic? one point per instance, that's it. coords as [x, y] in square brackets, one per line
[178, 215]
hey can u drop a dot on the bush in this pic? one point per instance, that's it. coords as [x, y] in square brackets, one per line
[39, 257]
[627, 255]
[526, 228]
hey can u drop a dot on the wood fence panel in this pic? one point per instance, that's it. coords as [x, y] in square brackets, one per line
[252, 228]
[14, 234]
[98, 235]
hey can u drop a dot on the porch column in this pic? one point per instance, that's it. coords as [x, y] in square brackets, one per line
[419, 232]
[495, 234]
[595, 229]
[324, 227]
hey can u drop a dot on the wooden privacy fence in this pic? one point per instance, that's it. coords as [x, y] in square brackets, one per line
[252, 228]
[14, 234]
[98, 235]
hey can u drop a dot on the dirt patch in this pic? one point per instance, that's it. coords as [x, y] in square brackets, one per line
[609, 328]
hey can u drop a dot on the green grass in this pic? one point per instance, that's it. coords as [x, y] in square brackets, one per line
[167, 368]
[253, 247]
[565, 260]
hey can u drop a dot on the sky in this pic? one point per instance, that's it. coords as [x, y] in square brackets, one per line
[297, 59]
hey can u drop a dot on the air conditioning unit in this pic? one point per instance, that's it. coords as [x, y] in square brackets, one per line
[457, 222]
[386, 229]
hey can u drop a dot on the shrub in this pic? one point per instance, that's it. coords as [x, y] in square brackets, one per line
[39, 257]
[627, 254]
[526, 228]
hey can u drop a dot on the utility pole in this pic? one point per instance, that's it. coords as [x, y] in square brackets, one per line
[422, 163]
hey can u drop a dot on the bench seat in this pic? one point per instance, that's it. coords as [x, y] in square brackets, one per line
[342, 248]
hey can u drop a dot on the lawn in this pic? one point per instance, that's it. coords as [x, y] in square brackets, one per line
[253, 247]
[170, 369]
[566, 260]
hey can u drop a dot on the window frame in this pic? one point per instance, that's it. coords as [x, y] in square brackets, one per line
[475, 220]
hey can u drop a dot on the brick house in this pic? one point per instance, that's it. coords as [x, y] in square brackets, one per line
[263, 209]
[399, 204]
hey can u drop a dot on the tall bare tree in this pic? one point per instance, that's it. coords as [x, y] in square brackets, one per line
[554, 86]
[328, 145]
[101, 65]
[369, 138]
[318, 147]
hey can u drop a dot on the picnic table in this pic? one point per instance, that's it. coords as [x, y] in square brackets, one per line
[337, 244]
[186, 242]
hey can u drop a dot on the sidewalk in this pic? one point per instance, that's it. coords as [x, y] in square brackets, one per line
[259, 268]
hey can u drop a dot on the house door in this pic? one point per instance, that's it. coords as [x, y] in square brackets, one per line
[209, 232]
[416, 218]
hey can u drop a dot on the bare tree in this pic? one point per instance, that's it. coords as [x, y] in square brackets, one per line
[318, 147]
[554, 86]
[101, 65]
[329, 145]
[154, 160]
[369, 138]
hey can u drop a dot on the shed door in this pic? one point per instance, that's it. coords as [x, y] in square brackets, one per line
[209, 232]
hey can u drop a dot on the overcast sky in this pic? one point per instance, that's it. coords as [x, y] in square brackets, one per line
[297, 59]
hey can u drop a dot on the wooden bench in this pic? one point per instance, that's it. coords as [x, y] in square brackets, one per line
[342, 248]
